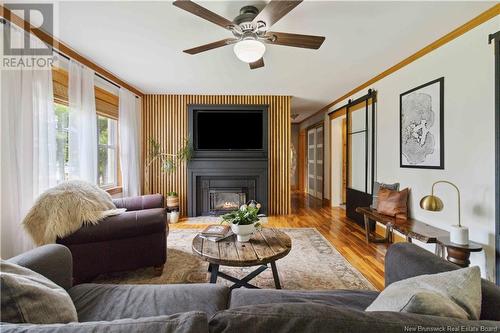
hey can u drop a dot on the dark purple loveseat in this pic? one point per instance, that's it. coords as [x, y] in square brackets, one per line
[134, 239]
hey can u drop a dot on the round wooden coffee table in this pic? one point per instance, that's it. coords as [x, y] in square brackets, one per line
[265, 247]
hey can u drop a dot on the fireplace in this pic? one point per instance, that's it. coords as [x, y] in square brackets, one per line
[225, 200]
[229, 166]
[217, 195]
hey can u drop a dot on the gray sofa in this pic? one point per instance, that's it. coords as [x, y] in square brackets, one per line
[213, 308]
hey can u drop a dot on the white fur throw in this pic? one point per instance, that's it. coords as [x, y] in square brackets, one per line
[65, 208]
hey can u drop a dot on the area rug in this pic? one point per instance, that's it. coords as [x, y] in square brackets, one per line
[209, 220]
[312, 264]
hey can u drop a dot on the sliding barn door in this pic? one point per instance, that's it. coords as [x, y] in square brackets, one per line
[315, 162]
[360, 136]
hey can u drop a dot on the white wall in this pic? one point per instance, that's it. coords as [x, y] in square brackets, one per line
[336, 161]
[467, 64]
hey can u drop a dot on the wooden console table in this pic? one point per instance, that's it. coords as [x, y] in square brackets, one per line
[410, 228]
[413, 229]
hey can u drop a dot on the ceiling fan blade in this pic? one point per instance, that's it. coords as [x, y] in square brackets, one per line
[258, 64]
[210, 46]
[204, 13]
[295, 40]
[275, 10]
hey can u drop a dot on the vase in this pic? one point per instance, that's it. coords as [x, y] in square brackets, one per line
[243, 232]
[174, 217]
[172, 202]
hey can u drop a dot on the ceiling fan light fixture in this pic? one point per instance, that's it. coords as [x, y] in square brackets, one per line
[249, 50]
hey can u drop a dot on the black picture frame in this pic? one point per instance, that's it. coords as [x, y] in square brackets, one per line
[440, 82]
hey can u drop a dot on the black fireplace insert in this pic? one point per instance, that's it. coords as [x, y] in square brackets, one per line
[226, 199]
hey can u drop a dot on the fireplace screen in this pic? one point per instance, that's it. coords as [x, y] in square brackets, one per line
[226, 200]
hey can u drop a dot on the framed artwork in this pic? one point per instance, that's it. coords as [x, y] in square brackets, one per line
[421, 126]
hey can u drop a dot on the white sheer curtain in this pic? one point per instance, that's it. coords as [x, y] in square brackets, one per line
[82, 124]
[28, 146]
[129, 120]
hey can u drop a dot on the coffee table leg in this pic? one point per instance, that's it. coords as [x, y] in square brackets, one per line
[214, 270]
[275, 275]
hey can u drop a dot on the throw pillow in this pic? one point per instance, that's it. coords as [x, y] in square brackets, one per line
[461, 287]
[433, 303]
[28, 297]
[376, 187]
[393, 203]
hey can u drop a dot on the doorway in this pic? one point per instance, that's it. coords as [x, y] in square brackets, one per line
[315, 140]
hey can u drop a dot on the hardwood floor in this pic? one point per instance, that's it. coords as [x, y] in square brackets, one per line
[347, 237]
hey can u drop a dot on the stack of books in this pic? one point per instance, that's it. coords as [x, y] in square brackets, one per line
[216, 232]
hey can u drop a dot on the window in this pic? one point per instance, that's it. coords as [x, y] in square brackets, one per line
[107, 160]
[62, 137]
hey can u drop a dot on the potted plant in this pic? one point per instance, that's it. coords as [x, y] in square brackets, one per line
[243, 221]
[166, 160]
[172, 200]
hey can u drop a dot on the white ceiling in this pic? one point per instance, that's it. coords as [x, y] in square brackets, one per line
[142, 43]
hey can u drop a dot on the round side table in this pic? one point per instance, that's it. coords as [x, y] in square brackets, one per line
[457, 253]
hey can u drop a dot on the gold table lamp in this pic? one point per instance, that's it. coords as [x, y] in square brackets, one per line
[458, 234]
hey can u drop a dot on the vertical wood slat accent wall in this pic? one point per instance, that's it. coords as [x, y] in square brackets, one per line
[165, 118]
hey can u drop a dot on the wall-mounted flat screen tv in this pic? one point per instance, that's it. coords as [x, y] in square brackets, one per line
[228, 130]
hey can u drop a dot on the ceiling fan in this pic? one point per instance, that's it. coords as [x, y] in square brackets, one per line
[250, 30]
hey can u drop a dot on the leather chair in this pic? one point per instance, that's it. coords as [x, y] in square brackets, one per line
[134, 239]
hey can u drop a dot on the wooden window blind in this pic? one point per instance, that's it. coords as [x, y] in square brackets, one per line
[106, 102]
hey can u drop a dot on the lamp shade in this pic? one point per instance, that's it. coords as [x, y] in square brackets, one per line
[431, 203]
[249, 50]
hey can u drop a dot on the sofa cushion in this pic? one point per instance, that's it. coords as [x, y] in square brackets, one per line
[189, 322]
[95, 302]
[320, 318]
[351, 298]
[463, 287]
[28, 297]
[393, 203]
[126, 225]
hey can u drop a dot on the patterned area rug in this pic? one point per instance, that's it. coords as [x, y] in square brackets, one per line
[311, 264]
